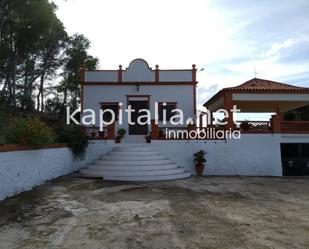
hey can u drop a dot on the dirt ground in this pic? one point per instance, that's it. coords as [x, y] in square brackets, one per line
[208, 212]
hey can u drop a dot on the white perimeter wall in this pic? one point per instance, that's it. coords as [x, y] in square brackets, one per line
[22, 170]
[252, 155]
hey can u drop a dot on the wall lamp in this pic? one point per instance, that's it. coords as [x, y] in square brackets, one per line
[137, 87]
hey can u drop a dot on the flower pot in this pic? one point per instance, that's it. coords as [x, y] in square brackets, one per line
[148, 140]
[101, 133]
[199, 169]
[118, 140]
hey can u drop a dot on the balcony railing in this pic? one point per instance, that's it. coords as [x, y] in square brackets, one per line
[294, 126]
[255, 126]
[94, 133]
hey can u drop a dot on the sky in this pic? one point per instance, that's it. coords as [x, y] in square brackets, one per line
[233, 41]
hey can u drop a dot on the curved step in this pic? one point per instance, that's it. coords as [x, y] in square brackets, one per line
[136, 163]
[129, 173]
[133, 153]
[131, 167]
[148, 178]
[133, 148]
[133, 158]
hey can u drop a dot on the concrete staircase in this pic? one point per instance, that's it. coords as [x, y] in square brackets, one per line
[134, 162]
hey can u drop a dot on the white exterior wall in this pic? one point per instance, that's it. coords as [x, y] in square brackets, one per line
[252, 155]
[183, 95]
[172, 76]
[101, 76]
[22, 170]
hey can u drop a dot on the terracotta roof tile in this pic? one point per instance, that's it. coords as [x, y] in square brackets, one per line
[260, 86]
[265, 85]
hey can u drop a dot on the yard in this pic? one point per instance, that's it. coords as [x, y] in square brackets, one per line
[208, 212]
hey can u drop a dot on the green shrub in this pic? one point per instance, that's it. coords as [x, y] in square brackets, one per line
[121, 132]
[2, 140]
[28, 131]
[74, 137]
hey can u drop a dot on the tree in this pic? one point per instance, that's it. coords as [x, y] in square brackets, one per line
[31, 41]
[76, 57]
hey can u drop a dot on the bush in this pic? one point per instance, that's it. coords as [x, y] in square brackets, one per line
[2, 140]
[74, 137]
[28, 131]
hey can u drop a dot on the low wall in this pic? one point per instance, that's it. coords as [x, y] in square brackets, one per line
[252, 155]
[22, 170]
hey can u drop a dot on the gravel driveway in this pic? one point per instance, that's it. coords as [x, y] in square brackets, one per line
[208, 212]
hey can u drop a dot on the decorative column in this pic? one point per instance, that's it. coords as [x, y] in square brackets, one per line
[120, 73]
[154, 130]
[191, 127]
[228, 106]
[157, 73]
[276, 121]
[111, 132]
[194, 71]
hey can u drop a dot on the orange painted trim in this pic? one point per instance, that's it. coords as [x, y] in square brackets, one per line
[183, 83]
[194, 99]
[120, 73]
[82, 79]
[157, 74]
[19, 147]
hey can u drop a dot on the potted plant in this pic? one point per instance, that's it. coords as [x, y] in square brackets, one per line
[121, 133]
[148, 138]
[161, 133]
[101, 134]
[199, 160]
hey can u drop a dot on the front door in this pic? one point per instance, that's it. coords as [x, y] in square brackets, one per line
[138, 129]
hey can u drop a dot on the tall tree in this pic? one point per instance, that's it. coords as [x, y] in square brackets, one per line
[76, 57]
[31, 38]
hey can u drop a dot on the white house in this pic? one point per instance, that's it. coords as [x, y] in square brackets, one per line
[141, 87]
[263, 149]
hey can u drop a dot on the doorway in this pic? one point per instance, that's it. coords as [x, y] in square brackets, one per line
[138, 129]
[295, 159]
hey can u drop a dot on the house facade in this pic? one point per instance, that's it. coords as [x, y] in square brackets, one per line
[266, 148]
[140, 87]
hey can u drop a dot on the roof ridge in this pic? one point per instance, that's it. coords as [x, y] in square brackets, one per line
[260, 83]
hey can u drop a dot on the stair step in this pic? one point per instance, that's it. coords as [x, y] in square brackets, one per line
[134, 148]
[131, 167]
[109, 162]
[133, 153]
[130, 173]
[134, 162]
[133, 158]
[148, 178]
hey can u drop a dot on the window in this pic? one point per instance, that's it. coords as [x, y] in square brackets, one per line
[110, 106]
[169, 107]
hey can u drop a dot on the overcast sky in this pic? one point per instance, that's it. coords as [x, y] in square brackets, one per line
[230, 39]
